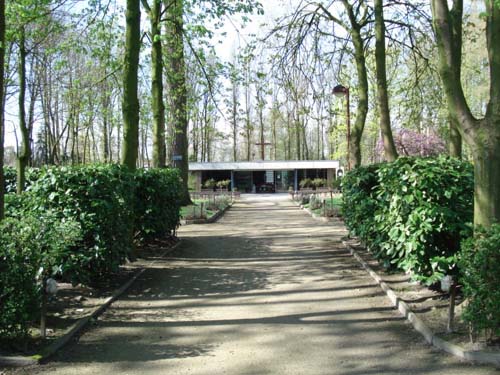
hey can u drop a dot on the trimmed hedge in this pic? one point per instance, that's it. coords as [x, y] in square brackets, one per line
[30, 249]
[77, 223]
[157, 202]
[480, 277]
[412, 213]
[10, 178]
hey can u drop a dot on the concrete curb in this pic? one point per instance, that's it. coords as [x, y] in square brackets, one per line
[313, 215]
[211, 219]
[71, 332]
[420, 326]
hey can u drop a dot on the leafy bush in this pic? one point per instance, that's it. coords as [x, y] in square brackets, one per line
[318, 182]
[223, 184]
[315, 202]
[480, 276]
[413, 213]
[10, 178]
[305, 183]
[358, 202]
[30, 249]
[98, 197]
[157, 202]
[210, 183]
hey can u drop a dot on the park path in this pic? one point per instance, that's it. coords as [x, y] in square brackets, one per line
[266, 290]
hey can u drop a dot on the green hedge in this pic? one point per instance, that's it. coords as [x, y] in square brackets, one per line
[412, 213]
[157, 202]
[10, 178]
[480, 276]
[30, 249]
[77, 223]
[101, 199]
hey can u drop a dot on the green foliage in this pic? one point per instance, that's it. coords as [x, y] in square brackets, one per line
[157, 202]
[480, 276]
[10, 178]
[315, 202]
[412, 213]
[358, 202]
[98, 197]
[223, 184]
[210, 183]
[318, 182]
[31, 248]
[305, 183]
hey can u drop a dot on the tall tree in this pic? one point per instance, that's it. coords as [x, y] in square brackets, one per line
[482, 135]
[158, 107]
[130, 100]
[2, 105]
[382, 92]
[177, 90]
[24, 153]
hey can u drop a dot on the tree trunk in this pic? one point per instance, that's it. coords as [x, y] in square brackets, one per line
[2, 109]
[24, 154]
[177, 91]
[362, 91]
[455, 145]
[382, 93]
[483, 136]
[159, 151]
[130, 101]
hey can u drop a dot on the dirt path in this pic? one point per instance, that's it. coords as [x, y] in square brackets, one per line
[266, 290]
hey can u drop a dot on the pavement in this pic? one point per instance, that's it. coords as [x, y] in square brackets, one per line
[265, 290]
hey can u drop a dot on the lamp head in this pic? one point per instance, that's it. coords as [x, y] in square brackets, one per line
[340, 90]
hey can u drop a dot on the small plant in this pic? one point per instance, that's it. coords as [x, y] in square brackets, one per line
[318, 183]
[305, 183]
[480, 275]
[223, 184]
[315, 202]
[209, 184]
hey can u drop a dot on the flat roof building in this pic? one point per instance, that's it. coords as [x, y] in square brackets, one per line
[261, 176]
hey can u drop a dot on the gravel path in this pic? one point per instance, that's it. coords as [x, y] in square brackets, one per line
[266, 290]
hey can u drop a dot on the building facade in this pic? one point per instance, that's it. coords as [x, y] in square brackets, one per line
[264, 176]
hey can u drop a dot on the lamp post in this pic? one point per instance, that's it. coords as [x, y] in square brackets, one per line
[340, 90]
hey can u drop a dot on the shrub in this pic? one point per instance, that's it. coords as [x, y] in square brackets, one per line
[318, 182]
[157, 202]
[358, 203]
[480, 276]
[223, 184]
[101, 199]
[209, 184]
[315, 202]
[412, 213]
[10, 178]
[305, 183]
[30, 249]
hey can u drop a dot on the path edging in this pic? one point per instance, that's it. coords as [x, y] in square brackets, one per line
[79, 325]
[211, 219]
[420, 326]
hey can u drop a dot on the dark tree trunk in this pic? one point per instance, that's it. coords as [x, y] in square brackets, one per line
[177, 91]
[130, 101]
[24, 154]
[382, 93]
[2, 109]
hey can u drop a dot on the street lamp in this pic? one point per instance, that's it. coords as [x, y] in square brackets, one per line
[340, 90]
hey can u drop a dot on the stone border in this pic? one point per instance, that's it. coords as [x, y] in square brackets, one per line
[313, 215]
[211, 219]
[420, 326]
[77, 327]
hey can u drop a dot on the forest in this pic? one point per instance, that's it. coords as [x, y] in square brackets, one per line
[143, 83]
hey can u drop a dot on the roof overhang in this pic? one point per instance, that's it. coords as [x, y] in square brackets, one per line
[267, 165]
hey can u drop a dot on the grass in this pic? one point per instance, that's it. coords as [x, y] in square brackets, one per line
[193, 211]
